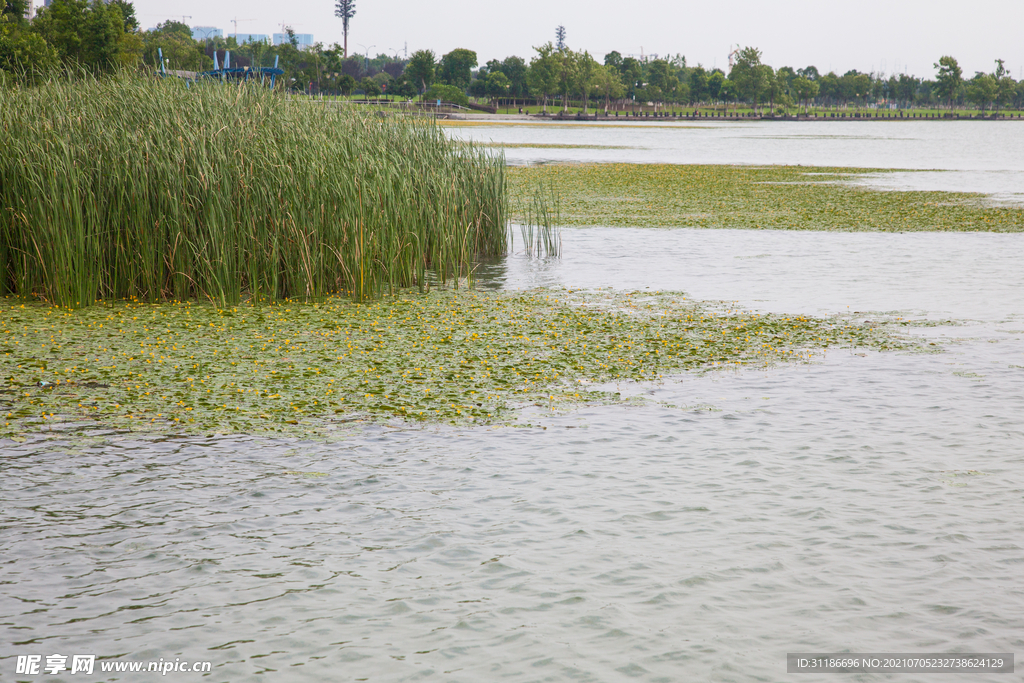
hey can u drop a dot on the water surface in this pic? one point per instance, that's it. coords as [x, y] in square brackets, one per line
[975, 156]
[866, 501]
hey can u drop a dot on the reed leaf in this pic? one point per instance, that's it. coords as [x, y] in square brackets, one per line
[125, 187]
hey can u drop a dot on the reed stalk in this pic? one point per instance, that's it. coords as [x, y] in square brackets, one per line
[126, 187]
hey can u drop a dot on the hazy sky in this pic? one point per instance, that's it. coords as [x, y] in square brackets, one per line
[881, 35]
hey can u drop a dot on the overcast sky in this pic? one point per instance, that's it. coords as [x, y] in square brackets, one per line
[891, 36]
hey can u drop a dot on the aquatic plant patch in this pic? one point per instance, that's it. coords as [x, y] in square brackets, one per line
[541, 145]
[765, 197]
[650, 124]
[300, 368]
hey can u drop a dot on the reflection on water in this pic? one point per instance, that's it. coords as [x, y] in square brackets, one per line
[866, 502]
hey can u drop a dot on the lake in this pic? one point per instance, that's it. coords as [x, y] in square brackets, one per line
[960, 156]
[863, 502]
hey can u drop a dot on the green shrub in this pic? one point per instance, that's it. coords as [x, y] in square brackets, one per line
[446, 93]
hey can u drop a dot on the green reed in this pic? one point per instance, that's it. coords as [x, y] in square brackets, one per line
[539, 213]
[148, 189]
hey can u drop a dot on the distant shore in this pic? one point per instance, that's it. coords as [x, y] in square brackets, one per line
[742, 117]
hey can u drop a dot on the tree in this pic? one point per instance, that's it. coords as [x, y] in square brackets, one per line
[750, 79]
[515, 70]
[632, 73]
[660, 75]
[420, 69]
[456, 67]
[698, 84]
[181, 52]
[403, 87]
[906, 87]
[982, 90]
[496, 84]
[478, 86]
[854, 86]
[174, 27]
[1005, 84]
[370, 87]
[565, 73]
[16, 11]
[446, 93]
[608, 84]
[716, 81]
[131, 22]
[586, 74]
[828, 87]
[542, 74]
[786, 76]
[613, 59]
[775, 90]
[346, 84]
[90, 34]
[727, 93]
[805, 90]
[24, 55]
[289, 33]
[948, 79]
[809, 72]
[345, 10]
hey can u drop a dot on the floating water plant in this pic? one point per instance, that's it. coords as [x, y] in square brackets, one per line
[303, 368]
[125, 187]
[769, 197]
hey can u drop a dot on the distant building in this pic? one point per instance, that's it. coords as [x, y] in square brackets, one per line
[241, 38]
[305, 40]
[201, 33]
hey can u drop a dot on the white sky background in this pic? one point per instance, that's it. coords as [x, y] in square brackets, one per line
[891, 36]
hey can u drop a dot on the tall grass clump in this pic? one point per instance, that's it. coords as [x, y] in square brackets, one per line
[145, 188]
[539, 214]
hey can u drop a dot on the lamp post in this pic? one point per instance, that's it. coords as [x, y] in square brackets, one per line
[206, 38]
[366, 55]
[366, 60]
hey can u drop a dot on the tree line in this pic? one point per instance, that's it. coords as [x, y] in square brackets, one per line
[103, 36]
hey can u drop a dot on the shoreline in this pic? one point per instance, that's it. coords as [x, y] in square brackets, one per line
[664, 117]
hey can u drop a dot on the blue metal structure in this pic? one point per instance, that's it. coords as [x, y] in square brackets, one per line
[242, 74]
[226, 73]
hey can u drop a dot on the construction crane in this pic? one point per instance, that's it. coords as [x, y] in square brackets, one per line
[734, 54]
[235, 22]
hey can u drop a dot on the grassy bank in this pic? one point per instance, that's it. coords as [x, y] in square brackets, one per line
[772, 197]
[146, 189]
[304, 369]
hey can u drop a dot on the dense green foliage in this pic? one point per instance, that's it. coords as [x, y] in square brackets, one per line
[455, 68]
[100, 36]
[772, 197]
[24, 55]
[124, 187]
[308, 368]
[91, 34]
[446, 93]
[174, 40]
